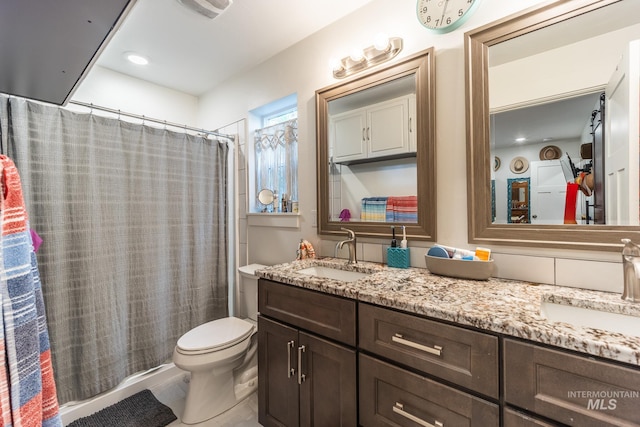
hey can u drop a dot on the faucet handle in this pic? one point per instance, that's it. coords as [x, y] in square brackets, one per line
[351, 233]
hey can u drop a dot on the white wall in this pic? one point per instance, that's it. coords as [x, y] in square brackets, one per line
[117, 91]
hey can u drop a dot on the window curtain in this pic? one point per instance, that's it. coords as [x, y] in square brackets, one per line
[276, 149]
[133, 220]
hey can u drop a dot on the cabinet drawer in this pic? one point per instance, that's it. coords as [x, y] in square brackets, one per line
[571, 389]
[517, 419]
[327, 315]
[392, 396]
[458, 355]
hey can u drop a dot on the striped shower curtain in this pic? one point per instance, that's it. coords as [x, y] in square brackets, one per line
[134, 221]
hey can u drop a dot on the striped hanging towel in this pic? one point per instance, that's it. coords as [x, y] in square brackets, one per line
[27, 387]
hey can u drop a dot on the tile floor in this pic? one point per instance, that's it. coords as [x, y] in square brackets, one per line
[173, 393]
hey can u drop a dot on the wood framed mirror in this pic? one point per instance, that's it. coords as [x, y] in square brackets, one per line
[376, 164]
[534, 62]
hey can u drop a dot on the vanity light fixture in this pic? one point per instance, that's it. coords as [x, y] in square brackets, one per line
[383, 49]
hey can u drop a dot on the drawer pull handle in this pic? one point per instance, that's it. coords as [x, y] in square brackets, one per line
[290, 371]
[436, 349]
[301, 376]
[398, 408]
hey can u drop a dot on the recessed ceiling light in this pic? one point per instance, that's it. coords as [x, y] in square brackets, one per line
[136, 58]
[521, 139]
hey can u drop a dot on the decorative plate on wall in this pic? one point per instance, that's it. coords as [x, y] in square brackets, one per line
[519, 165]
[550, 152]
[496, 163]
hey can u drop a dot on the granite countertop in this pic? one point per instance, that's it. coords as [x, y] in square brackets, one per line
[504, 306]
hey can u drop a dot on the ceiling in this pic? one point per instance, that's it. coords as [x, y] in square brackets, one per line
[191, 53]
[563, 119]
[47, 47]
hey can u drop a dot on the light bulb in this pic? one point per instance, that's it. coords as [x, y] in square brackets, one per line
[335, 64]
[356, 55]
[381, 41]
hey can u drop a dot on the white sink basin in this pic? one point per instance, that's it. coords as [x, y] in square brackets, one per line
[590, 318]
[333, 273]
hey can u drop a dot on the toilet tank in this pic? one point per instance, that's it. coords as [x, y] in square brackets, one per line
[249, 290]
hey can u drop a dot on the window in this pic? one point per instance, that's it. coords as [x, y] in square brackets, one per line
[276, 156]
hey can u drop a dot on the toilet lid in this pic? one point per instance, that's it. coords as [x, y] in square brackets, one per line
[216, 335]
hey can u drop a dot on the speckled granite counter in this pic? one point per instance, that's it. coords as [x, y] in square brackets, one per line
[503, 306]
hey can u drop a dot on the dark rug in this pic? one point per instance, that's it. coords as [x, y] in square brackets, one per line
[140, 410]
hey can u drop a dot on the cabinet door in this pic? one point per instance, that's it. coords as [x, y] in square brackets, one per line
[571, 389]
[388, 131]
[390, 396]
[277, 384]
[328, 394]
[347, 133]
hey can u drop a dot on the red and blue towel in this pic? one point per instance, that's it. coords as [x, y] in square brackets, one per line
[27, 387]
[402, 209]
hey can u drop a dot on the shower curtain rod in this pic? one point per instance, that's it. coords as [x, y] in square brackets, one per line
[151, 119]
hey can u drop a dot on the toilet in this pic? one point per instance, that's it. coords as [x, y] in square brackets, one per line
[221, 356]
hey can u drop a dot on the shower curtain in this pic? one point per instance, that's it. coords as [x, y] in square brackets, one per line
[133, 220]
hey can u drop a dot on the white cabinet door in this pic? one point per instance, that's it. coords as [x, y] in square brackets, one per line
[380, 130]
[348, 136]
[388, 132]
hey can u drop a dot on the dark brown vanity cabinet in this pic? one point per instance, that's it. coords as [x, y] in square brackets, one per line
[306, 357]
[403, 347]
[568, 388]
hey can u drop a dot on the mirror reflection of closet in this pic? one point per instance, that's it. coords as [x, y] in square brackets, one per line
[518, 194]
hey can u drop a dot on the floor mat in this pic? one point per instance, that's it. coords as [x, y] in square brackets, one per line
[140, 410]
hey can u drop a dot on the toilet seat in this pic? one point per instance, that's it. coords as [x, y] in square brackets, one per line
[215, 336]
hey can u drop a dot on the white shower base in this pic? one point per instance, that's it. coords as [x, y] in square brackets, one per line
[71, 411]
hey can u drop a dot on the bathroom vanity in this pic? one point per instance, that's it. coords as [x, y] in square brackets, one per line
[435, 351]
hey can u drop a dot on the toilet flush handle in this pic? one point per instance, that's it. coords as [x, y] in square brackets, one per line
[290, 371]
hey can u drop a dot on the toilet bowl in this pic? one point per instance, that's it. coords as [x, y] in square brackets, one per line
[221, 356]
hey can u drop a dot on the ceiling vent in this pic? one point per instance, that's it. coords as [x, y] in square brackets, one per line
[208, 8]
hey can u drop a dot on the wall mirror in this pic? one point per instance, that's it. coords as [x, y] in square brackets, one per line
[376, 151]
[557, 86]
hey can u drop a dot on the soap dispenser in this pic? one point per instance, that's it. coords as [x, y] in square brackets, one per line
[631, 271]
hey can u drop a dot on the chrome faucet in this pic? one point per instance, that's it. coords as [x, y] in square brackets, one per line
[631, 271]
[351, 244]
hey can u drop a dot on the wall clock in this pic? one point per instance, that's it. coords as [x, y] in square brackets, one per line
[442, 16]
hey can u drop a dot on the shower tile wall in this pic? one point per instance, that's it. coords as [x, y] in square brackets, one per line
[240, 200]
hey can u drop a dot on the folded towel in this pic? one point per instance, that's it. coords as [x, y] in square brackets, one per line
[374, 209]
[402, 209]
[27, 387]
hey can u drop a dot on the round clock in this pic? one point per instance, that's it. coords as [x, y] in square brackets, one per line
[442, 16]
